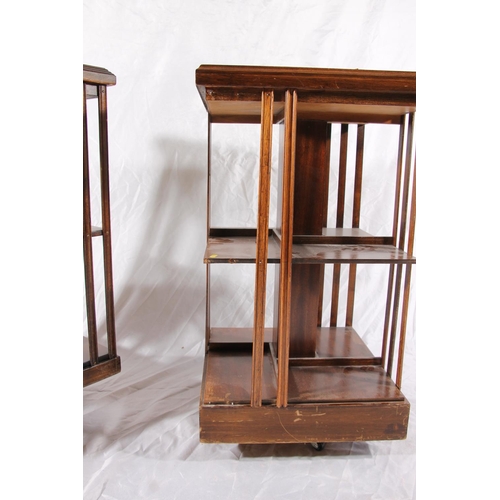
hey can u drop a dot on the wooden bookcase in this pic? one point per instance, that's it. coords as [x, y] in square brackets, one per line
[301, 380]
[99, 366]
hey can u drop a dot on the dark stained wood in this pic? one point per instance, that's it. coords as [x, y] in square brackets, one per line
[301, 423]
[312, 383]
[306, 283]
[262, 246]
[97, 76]
[231, 335]
[347, 236]
[87, 245]
[228, 378]
[312, 163]
[283, 281]
[334, 310]
[399, 173]
[340, 342]
[104, 368]
[335, 361]
[406, 293]
[96, 231]
[307, 79]
[239, 249]
[106, 221]
[231, 93]
[344, 254]
[98, 367]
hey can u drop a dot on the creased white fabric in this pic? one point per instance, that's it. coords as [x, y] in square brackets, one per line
[140, 428]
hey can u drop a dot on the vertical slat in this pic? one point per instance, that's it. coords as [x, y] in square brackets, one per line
[207, 307]
[87, 244]
[356, 215]
[209, 176]
[392, 269]
[406, 181]
[337, 268]
[406, 295]
[209, 223]
[262, 246]
[335, 295]
[285, 277]
[388, 310]
[344, 131]
[358, 176]
[351, 288]
[395, 315]
[325, 224]
[402, 238]
[399, 169]
[106, 220]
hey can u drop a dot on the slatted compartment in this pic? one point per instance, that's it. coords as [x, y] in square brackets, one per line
[318, 378]
[98, 365]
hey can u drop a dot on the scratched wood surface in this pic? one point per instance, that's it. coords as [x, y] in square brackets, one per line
[304, 423]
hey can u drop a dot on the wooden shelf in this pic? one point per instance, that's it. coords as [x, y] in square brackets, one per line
[242, 249]
[228, 369]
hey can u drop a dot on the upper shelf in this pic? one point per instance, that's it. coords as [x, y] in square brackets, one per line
[232, 94]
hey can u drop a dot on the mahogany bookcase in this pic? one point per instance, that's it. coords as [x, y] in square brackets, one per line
[300, 380]
[99, 366]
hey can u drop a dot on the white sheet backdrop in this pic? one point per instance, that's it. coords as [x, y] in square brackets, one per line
[140, 428]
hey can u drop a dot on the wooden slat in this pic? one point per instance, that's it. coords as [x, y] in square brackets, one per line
[262, 246]
[106, 220]
[285, 278]
[334, 310]
[388, 311]
[87, 245]
[344, 131]
[351, 290]
[209, 176]
[358, 176]
[406, 293]
[399, 173]
[356, 215]
[342, 175]
[406, 182]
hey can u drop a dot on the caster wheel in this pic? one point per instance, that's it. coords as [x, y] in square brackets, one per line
[318, 446]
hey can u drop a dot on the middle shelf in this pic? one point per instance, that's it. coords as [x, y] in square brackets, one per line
[239, 246]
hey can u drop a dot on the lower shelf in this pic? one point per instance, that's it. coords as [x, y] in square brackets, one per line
[342, 394]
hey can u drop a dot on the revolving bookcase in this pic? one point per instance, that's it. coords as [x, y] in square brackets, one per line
[99, 365]
[301, 380]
